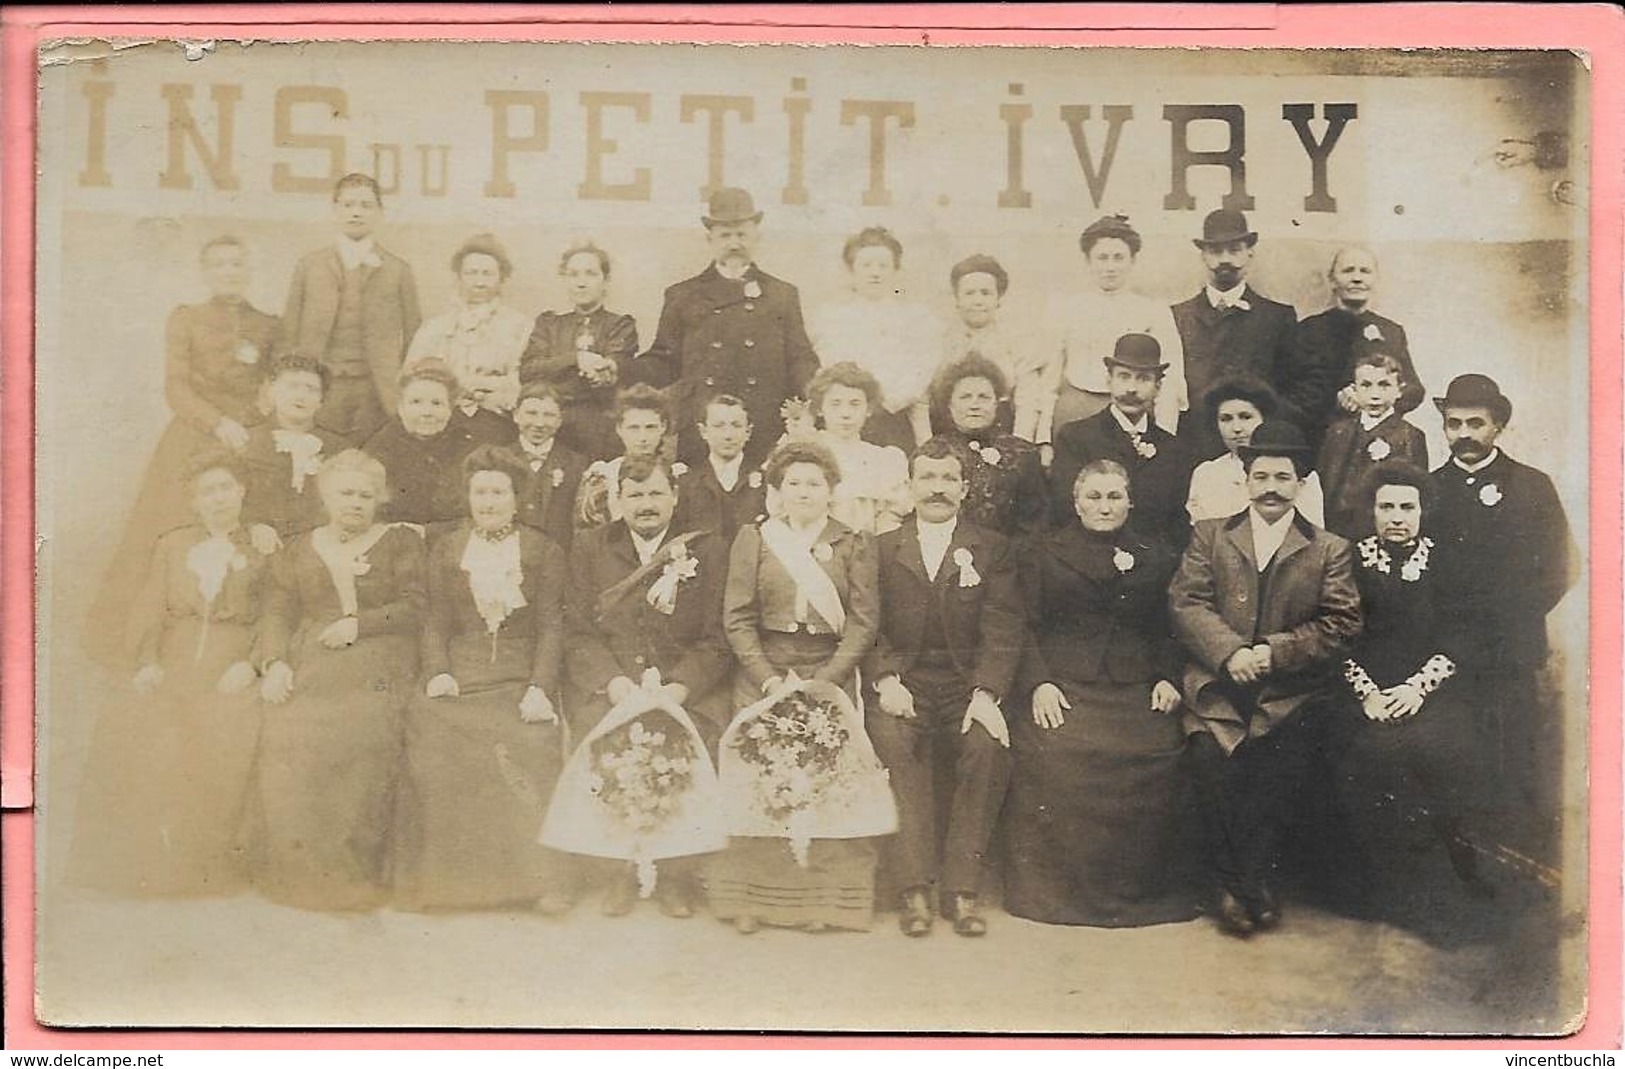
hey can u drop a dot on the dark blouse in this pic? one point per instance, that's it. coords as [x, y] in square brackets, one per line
[425, 474]
[1404, 624]
[172, 590]
[215, 359]
[389, 593]
[271, 496]
[550, 355]
[1007, 493]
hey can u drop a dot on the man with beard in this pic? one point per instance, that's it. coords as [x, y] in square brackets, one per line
[1504, 558]
[1319, 382]
[1265, 604]
[1158, 464]
[1229, 327]
[734, 329]
[641, 597]
[949, 642]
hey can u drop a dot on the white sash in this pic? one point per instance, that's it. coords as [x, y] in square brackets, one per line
[811, 580]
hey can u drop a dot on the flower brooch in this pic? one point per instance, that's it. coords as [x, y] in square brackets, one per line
[1145, 449]
[754, 480]
[989, 454]
[1372, 333]
[1378, 449]
[968, 575]
[1122, 560]
[753, 289]
[1490, 494]
[822, 553]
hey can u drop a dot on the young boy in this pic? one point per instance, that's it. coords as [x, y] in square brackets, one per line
[547, 500]
[1356, 442]
[724, 493]
[641, 425]
[283, 454]
[354, 308]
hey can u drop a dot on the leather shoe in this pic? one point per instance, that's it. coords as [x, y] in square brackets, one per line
[621, 896]
[914, 918]
[1232, 917]
[968, 919]
[1265, 909]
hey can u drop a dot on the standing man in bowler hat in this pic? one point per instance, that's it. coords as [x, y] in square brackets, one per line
[1504, 559]
[1126, 431]
[732, 329]
[1229, 327]
[1265, 604]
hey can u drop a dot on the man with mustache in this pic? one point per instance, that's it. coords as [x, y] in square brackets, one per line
[643, 596]
[1126, 431]
[734, 329]
[1505, 558]
[1319, 381]
[1229, 328]
[1265, 605]
[950, 638]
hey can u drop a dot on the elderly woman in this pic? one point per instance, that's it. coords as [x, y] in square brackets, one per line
[1098, 812]
[168, 772]
[1005, 485]
[422, 449]
[979, 284]
[215, 358]
[1105, 310]
[483, 739]
[1236, 406]
[338, 653]
[1407, 750]
[480, 338]
[872, 495]
[586, 354]
[891, 338]
[802, 597]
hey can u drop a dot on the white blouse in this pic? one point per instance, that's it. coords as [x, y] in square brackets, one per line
[1092, 323]
[894, 340]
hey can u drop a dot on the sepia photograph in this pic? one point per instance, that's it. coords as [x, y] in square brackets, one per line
[826, 539]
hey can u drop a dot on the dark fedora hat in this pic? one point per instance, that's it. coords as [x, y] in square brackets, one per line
[1276, 438]
[1476, 391]
[730, 205]
[1140, 351]
[1222, 226]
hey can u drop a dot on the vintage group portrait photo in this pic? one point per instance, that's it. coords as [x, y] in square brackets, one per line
[581, 536]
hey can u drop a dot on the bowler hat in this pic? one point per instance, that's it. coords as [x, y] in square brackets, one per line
[1476, 391]
[1222, 226]
[1140, 351]
[1276, 438]
[729, 205]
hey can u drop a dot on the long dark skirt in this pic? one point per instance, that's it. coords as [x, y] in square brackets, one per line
[475, 786]
[1098, 821]
[759, 877]
[160, 812]
[324, 787]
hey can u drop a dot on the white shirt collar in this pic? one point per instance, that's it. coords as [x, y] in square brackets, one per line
[1267, 537]
[1122, 421]
[934, 541]
[355, 253]
[535, 452]
[728, 471]
[1369, 422]
[1480, 466]
[1229, 296]
[646, 547]
[732, 275]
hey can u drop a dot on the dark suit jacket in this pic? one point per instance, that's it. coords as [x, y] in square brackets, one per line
[1346, 458]
[1324, 349]
[703, 505]
[451, 612]
[714, 339]
[761, 596]
[1158, 485]
[1504, 558]
[547, 500]
[631, 635]
[389, 314]
[1309, 615]
[1219, 343]
[984, 624]
[1093, 621]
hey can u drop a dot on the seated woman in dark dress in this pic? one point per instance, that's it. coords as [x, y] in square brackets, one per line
[1006, 489]
[1098, 818]
[422, 450]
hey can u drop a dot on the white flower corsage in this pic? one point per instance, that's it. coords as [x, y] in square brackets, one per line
[968, 575]
[1490, 494]
[558, 478]
[1144, 448]
[990, 456]
[1378, 449]
[754, 480]
[822, 553]
[680, 567]
[1122, 559]
[1372, 333]
[361, 566]
[247, 352]
[753, 289]
[678, 470]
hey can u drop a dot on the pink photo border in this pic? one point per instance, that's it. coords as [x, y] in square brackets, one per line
[1597, 29]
